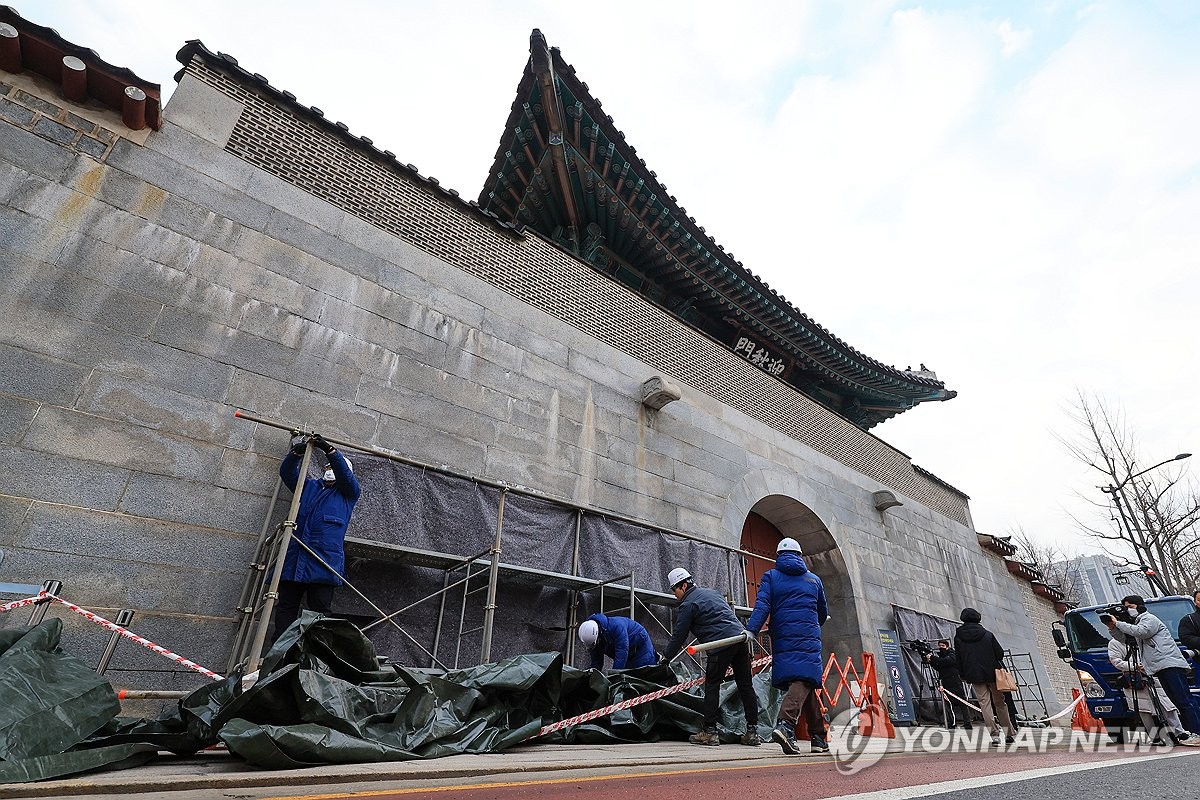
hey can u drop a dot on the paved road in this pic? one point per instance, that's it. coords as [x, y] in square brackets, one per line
[988, 776]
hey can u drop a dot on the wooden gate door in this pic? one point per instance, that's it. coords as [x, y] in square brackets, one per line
[761, 538]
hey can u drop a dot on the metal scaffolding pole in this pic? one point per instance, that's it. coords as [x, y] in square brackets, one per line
[489, 609]
[247, 602]
[573, 599]
[289, 526]
[494, 566]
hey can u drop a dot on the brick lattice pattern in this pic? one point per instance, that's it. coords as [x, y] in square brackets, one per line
[326, 164]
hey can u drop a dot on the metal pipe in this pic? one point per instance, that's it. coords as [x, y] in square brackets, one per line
[523, 491]
[462, 615]
[719, 643]
[388, 618]
[124, 617]
[253, 578]
[289, 526]
[573, 599]
[150, 694]
[489, 609]
[42, 606]
[632, 598]
[437, 633]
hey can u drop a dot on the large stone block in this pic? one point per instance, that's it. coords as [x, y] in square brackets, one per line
[118, 397]
[32, 153]
[38, 377]
[66, 432]
[91, 302]
[307, 408]
[30, 236]
[114, 582]
[185, 331]
[200, 504]
[190, 183]
[137, 274]
[15, 415]
[430, 445]
[153, 543]
[62, 478]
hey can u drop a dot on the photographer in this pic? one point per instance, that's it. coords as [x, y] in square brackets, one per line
[1160, 654]
[945, 662]
[1123, 654]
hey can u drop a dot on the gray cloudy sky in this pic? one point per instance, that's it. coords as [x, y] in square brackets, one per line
[1008, 192]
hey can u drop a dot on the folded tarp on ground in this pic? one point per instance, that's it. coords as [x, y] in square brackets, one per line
[321, 698]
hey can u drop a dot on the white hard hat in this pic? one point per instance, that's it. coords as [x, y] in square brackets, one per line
[589, 633]
[678, 576]
[790, 545]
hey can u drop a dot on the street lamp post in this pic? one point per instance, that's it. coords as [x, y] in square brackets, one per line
[1117, 492]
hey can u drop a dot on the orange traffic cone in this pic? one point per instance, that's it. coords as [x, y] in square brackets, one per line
[873, 721]
[1083, 720]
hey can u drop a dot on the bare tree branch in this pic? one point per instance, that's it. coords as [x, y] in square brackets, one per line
[1154, 514]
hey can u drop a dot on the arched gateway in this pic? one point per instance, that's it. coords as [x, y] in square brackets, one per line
[776, 516]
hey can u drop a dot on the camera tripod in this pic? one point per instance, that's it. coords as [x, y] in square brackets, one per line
[1158, 712]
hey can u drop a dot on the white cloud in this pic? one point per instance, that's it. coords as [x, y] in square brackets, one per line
[1010, 198]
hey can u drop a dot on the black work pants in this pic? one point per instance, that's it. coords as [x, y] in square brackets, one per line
[956, 709]
[738, 657]
[291, 593]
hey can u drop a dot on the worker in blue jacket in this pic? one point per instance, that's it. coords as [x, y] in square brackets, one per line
[622, 639]
[325, 508]
[794, 599]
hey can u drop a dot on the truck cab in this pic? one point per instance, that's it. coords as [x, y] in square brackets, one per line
[1085, 646]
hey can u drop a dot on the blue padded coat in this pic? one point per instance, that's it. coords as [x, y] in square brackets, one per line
[623, 640]
[321, 522]
[794, 599]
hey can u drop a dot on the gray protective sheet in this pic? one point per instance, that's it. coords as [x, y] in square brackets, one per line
[916, 625]
[420, 508]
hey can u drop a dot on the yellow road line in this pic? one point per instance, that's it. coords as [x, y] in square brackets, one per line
[541, 782]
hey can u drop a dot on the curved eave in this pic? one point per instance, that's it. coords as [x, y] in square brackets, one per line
[720, 282]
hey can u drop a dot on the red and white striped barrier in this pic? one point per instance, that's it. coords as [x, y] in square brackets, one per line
[15, 604]
[636, 701]
[128, 634]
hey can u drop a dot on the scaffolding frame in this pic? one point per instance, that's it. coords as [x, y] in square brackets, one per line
[260, 586]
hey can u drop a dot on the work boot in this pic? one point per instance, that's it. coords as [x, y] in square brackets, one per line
[751, 738]
[784, 735]
[709, 738]
[819, 745]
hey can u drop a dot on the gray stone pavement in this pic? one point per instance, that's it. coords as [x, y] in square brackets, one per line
[219, 769]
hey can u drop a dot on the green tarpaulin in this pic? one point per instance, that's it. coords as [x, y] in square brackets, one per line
[322, 698]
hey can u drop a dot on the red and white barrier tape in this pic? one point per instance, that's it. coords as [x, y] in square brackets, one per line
[1066, 710]
[636, 701]
[964, 701]
[15, 604]
[128, 634]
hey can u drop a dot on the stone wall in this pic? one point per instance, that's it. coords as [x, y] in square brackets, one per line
[151, 289]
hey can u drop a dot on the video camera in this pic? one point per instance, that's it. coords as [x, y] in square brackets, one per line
[1116, 611]
[918, 646]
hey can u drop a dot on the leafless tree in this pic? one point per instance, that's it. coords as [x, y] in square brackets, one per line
[1050, 560]
[1151, 515]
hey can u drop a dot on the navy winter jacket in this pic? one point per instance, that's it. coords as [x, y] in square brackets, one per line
[623, 640]
[321, 522]
[706, 615]
[794, 599]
